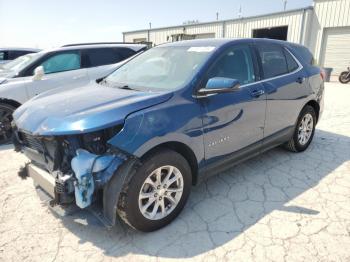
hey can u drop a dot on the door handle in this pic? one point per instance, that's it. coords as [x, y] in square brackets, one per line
[300, 80]
[257, 93]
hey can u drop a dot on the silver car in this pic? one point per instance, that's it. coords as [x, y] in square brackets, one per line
[65, 67]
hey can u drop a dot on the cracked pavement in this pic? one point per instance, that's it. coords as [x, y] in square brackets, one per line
[280, 206]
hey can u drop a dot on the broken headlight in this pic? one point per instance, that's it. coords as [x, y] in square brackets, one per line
[96, 142]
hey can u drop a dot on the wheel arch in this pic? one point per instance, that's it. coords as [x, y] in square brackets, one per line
[10, 102]
[315, 105]
[181, 149]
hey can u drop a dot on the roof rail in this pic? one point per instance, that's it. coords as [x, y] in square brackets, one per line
[100, 43]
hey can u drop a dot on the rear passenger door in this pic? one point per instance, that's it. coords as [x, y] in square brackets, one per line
[285, 85]
[101, 61]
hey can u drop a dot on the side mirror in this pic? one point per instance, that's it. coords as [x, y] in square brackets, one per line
[38, 73]
[217, 85]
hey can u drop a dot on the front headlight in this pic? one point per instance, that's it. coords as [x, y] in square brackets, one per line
[96, 142]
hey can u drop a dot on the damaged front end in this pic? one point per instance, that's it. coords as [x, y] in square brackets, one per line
[78, 166]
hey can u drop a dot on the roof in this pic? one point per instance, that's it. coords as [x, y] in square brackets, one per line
[135, 47]
[221, 21]
[20, 49]
[217, 42]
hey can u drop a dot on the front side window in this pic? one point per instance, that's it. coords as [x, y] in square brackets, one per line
[62, 62]
[273, 60]
[161, 68]
[236, 63]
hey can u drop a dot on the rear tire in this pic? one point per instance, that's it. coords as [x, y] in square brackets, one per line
[304, 130]
[157, 192]
[6, 112]
[344, 78]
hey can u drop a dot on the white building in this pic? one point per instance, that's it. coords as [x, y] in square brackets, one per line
[323, 28]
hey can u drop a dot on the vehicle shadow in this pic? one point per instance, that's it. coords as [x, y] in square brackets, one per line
[224, 206]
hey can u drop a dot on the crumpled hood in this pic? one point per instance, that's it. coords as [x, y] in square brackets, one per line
[81, 110]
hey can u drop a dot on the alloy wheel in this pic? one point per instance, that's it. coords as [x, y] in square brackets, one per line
[305, 129]
[5, 125]
[161, 192]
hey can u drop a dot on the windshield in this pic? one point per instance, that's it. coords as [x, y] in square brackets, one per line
[20, 63]
[160, 68]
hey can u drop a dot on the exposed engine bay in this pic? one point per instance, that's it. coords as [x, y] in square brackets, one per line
[80, 164]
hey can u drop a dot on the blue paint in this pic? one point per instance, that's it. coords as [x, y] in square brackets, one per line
[84, 165]
[152, 118]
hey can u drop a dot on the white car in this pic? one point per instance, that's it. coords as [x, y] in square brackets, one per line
[11, 53]
[65, 67]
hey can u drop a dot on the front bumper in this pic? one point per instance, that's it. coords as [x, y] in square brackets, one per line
[42, 179]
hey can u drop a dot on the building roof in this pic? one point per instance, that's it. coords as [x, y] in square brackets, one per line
[221, 21]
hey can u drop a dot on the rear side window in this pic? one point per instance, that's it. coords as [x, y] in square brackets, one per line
[62, 62]
[273, 60]
[291, 63]
[106, 56]
[125, 52]
[2, 55]
[17, 53]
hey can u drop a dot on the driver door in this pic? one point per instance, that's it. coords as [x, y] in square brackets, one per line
[61, 69]
[235, 120]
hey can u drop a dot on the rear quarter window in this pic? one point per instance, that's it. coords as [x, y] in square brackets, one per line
[291, 63]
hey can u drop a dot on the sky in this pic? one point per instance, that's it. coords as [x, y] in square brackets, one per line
[49, 23]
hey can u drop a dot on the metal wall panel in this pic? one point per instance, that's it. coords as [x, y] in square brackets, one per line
[327, 14]
[237, 28]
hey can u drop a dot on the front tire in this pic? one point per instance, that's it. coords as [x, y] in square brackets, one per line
[157, 192]
[6, 112]
[344, 77]
[304, 130]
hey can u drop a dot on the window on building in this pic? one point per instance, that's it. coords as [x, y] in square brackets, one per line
[236, 63]
[62, 62]
[273, 60]
[279, 33]
[139, 40]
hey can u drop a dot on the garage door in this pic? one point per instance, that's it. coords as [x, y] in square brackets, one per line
[337, 49]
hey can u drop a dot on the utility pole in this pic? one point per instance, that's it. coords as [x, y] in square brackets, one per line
[285, 5]
[240, 12]
[217, 16]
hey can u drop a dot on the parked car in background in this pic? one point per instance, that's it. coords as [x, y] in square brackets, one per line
[65, 67]
[8, 54]
[136, 142]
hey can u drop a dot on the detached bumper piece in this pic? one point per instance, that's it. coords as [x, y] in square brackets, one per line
[48, 189]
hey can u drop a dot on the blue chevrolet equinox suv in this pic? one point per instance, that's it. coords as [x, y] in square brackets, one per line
[132, 144]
